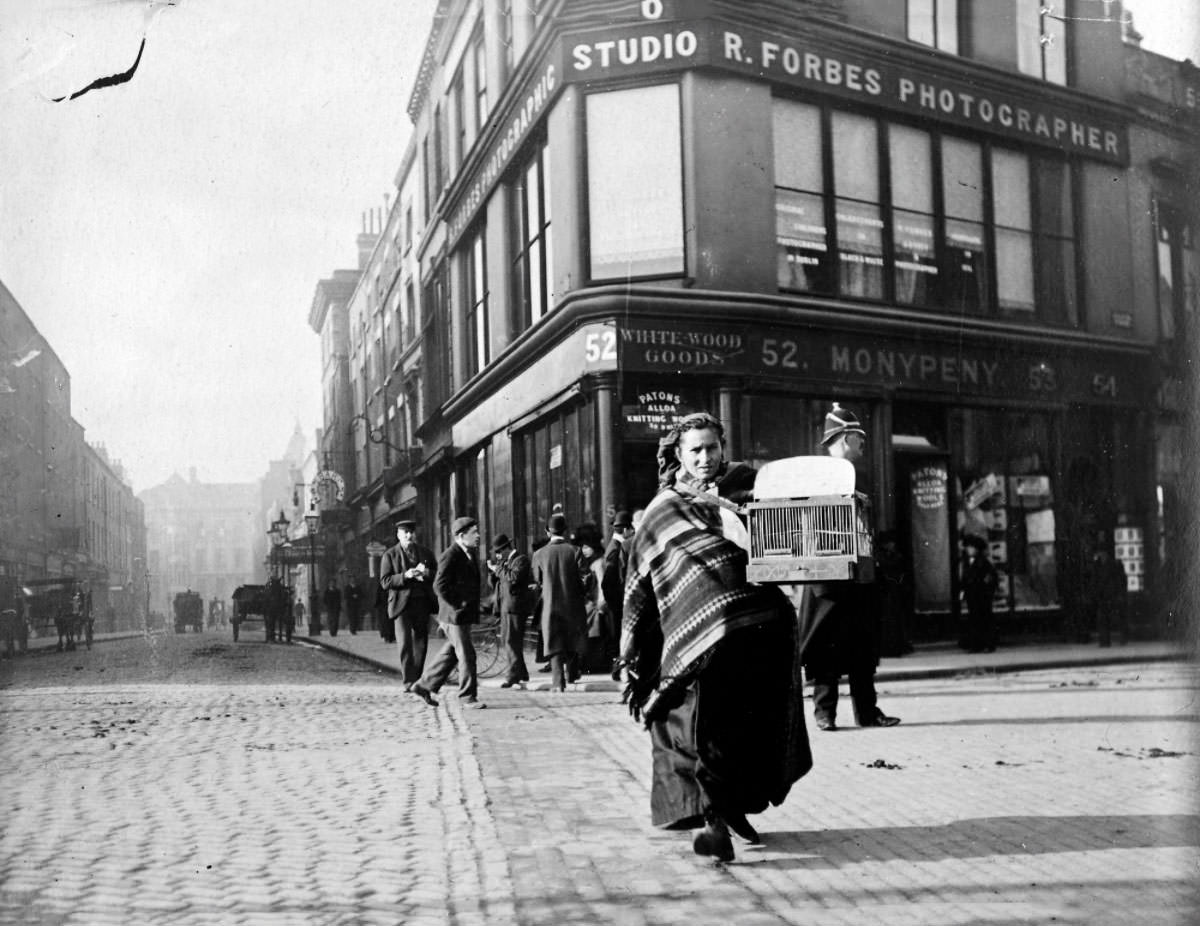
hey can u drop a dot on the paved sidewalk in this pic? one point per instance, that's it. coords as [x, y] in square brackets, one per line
[929, 662]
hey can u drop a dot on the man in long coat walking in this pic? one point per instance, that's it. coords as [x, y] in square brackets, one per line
[511, 577]
[407, 571]
[557, 569]
[457, 587]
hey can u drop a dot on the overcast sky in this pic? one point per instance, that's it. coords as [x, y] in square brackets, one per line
[166, 235]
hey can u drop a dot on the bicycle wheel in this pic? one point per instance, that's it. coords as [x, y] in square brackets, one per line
[486, 638]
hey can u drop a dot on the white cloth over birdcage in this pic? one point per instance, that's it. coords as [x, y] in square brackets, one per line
[804, 477]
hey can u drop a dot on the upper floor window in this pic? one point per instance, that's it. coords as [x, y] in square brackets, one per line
[532, 257]
[476, 353]
[410, 311]
[481, 92]
[934, 23]
[1041, 41]
[459, 115]
[897, 213]
[408, 226]
[1178, 273]
[505, 12]
[635, 183]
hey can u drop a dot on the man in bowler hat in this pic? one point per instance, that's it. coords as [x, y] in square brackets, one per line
[457, 588]
[559, 571]
[511, 577]
[839, 621]
[406, 572]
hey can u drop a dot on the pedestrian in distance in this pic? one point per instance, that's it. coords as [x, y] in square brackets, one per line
[406, 573]
[352, 601]
[559, 572]
[612, 583]
[978, 588]
[457, 585]
[839, 621]
[511, 577]
[332, 599]
[1109, 588]
[711, 659]
[588, 540]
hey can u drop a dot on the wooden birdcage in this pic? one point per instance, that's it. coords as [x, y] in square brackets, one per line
[807, 524]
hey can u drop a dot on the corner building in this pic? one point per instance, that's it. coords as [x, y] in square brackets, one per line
[925, 210]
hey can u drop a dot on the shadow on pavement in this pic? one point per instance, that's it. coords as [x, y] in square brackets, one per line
[977, 838]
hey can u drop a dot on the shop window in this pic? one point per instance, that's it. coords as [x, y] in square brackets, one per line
[1014, 232]
[458, 112]
[505, 14]
[859, 227]
[934, 23]
[476, 347]
[802, 239]
[635, 183]
[1041, 41]
[533, 259]
[1054, 241]
[915, 255]
[1004, 494]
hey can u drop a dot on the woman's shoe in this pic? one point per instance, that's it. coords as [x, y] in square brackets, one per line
[714, 839]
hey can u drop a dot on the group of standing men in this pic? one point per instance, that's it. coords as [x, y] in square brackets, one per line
[571, 600]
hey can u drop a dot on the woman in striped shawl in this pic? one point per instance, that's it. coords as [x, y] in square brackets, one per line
[712, 661]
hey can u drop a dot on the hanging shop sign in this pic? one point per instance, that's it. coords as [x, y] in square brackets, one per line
[1052, 374]
[929, 483]
[809, 62]
[328, 488]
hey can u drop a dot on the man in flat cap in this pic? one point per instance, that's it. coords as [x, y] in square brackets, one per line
[512, 577]
[406, 572]
[559, 571]
[457, 588]
[839, 621]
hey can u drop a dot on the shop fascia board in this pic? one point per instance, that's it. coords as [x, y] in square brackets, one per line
[605, 303]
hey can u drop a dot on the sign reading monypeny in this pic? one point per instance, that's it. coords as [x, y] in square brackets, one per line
[1040, 373]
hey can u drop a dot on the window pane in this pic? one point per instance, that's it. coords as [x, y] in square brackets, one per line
[548, 261]
[1054, 52]
[1057, 295]
[635, 182]
[920, 21]
[911, 168]
[533, 222]
[1029, 37]
[916, 258]
[1010, 189]
[546, 175]
[855, 157]
[797, 128]
[964, 283]
[860, 249]
[1014, 271]
[1053, 197]
[803, 246]
[947, 26]
[962, 179]
[1166, 281]
[537, 303]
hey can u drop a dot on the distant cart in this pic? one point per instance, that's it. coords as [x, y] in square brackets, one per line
[266, 603]
[189, 611]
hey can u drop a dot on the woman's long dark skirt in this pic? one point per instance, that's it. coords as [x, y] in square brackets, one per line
[723, 738]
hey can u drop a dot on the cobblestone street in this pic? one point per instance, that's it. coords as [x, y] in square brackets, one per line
[285, 785]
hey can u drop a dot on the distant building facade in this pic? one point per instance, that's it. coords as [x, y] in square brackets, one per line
[66, 508]
[201, 536]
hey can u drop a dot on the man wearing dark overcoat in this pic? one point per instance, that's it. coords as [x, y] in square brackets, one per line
[612, 585]
[407, 571]
[839, 623]
[511, 577]
[559, 572]
[457, 587]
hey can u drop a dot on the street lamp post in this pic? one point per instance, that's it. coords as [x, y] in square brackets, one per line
[312, 522]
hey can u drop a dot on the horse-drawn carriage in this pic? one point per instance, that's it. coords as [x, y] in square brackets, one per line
[61, 603]
[189, 611]
[267, 603]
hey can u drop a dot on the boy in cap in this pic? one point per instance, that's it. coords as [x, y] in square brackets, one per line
[839, 626]
[457, 588]
[511, 576]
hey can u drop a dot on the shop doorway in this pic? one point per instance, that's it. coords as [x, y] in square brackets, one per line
[640, 476]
